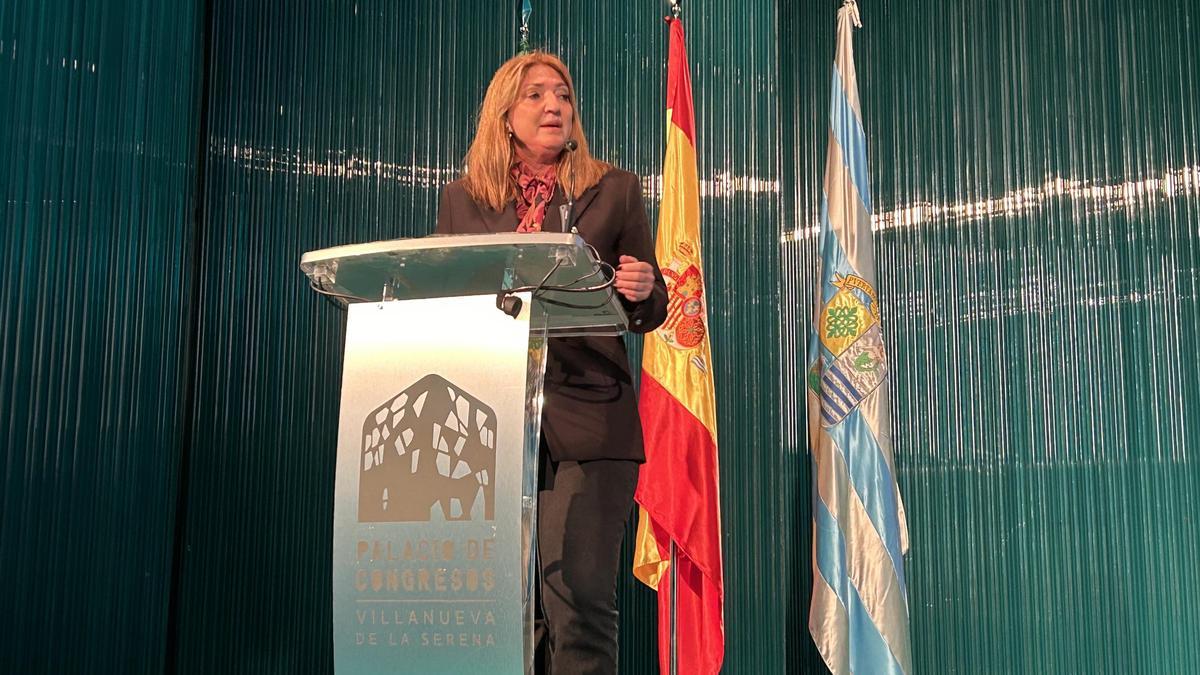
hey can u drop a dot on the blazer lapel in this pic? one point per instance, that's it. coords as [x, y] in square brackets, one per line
[553, 220]
[581, 205]
[500, 221]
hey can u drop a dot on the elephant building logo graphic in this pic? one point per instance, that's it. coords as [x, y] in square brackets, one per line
[429, 451]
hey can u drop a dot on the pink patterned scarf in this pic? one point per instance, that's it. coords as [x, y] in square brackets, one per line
[534, 191]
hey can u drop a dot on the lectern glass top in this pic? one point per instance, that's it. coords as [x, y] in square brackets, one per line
[476, 264]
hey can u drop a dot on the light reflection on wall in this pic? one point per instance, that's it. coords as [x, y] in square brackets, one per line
[720, 185]
[1179, 182]
[343, 165]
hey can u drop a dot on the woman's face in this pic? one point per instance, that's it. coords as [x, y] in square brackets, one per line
[542, 117]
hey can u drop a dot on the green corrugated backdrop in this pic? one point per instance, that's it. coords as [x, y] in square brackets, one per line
[98, 145]
[1047, 388]
[1037, 167]
[326, 126]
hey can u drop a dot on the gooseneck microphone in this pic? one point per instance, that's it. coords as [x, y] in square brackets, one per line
[568, 211]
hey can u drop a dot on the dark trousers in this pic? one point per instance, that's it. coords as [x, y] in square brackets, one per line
[582, 510]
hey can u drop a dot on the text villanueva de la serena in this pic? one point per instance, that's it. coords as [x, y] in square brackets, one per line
[425, 593]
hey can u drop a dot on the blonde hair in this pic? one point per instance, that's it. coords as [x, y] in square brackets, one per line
[491, 156]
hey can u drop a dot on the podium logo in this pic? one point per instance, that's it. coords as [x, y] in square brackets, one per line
[428, 452]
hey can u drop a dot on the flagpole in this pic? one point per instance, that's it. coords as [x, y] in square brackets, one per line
[674, 607]
[676, 12]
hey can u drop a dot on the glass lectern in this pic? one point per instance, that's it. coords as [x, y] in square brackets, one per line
[436, 489]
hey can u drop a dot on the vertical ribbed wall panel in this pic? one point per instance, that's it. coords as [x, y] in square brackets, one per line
[329, 123]
[733, 50]
[1036, 169]
[98, 124]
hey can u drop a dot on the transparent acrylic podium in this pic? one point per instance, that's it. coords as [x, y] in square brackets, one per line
[436, 489]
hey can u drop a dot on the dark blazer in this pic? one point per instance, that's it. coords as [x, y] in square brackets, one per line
[590, 409]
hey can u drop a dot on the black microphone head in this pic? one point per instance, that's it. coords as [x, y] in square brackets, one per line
[571, 145]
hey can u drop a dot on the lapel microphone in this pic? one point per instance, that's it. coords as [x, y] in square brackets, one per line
[567, 211]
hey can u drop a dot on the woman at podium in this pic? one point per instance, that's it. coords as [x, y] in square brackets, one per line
[529, 170]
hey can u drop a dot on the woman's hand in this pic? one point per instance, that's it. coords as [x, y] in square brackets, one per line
[635, 279]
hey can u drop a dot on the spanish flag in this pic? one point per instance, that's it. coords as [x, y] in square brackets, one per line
[677, 488]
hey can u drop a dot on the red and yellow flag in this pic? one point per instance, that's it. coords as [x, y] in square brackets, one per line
[677, 488]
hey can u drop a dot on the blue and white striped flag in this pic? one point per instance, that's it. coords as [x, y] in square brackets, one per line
[526, 12]
[859, 612]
